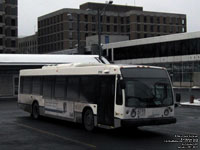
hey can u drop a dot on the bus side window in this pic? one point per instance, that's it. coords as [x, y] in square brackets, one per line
[59, 92]
[27, 85]
[41, 85]
[73, 88]
[21, 84]
[119, 95]
[36, 88]
[48, 87]
[89, 89]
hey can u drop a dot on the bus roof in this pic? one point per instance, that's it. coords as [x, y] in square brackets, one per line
[80, 68]
[47, 59]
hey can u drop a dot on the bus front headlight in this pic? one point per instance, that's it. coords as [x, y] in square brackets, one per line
[133, 113]
[166, 112]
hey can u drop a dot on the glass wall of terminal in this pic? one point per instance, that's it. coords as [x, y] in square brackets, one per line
[163, 49]
[179, 71]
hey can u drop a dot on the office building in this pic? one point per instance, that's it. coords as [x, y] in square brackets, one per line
[61, 30]
[8, 26]
[28, 45]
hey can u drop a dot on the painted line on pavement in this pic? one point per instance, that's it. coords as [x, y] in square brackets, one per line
[58, 136]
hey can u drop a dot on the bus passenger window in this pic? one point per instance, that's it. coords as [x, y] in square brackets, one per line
[59, 88]
[89, 89]
[73, 88]
[47, 87]
[27, 85]
[36, 86]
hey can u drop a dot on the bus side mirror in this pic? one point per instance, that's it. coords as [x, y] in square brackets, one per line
[122, 84]
[176, 105]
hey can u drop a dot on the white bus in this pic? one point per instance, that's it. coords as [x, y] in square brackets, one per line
[99, 95]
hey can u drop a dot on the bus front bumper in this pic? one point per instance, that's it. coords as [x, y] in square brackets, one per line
[148, 121]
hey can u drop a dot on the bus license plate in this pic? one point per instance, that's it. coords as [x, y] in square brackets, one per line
[141, 112]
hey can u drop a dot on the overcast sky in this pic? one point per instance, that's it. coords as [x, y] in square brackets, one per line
[30, 10]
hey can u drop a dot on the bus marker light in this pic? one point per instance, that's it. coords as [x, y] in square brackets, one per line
[127, 112]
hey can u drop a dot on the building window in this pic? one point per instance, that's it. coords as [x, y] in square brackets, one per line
[86, 27]
[158, 19]
[177, 21]
[1, 41]
[115, 28]
[122, 28]
[145, 19]
[101, 18]
[151, 28]
[70, 26]
[70, 35]
[108, 28]
[138, 27]
[171, 29]
[165, 29]
[145, 28]
[93, 27]
[115, 19]
[164, 20]
[108, 19]
[158, 28]
[70, 44]
[127, 20]
[13, 43]
[177, 30]
[93, 18]
[183, 21]
[183, 29]
[138, 18]
[151, 19]
[128, 28]
[13, 33]
[138, 35]
[86, 18]
[1, 30]
[122, 20]
[170, 21]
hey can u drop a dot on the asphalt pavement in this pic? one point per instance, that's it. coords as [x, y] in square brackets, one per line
[18, 131]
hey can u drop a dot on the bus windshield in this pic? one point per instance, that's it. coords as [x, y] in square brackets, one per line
[147, 88]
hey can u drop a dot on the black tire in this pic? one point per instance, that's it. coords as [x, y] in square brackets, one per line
[88, 120]
[35, 111]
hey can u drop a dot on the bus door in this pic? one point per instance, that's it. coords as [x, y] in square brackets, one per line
[105, 104]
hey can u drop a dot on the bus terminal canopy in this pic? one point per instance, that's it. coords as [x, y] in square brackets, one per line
[42, 59]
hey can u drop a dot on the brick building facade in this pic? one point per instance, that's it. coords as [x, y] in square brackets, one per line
[58, 30]
[8, 26]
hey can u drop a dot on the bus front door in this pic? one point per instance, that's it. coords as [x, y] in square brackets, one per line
[105, 104]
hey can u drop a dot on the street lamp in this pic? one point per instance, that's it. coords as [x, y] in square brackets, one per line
[78, 31]
[99, 13]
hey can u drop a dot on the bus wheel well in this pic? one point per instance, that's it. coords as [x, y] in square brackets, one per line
[84, 110]
[88, 119]
[35, 101]
[35, 112]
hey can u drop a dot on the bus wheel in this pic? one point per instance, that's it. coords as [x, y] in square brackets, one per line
[35, 110]
[88, 120]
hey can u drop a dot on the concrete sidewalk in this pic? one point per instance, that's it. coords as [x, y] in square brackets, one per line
[196, 104]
